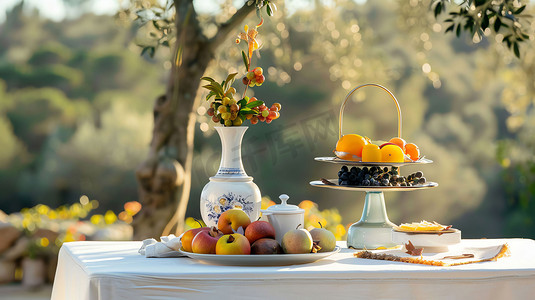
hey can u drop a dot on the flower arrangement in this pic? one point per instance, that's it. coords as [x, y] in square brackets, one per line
[228, 108]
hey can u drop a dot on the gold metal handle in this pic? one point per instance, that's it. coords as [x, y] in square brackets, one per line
[365, 85]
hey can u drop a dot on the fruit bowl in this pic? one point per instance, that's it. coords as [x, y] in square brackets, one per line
[260, 260]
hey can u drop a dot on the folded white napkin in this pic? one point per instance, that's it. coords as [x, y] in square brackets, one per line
[168, 247]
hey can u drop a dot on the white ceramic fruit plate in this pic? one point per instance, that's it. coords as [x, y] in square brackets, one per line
[260, 260]
[431, 242]
[335, 186]
[336, 160]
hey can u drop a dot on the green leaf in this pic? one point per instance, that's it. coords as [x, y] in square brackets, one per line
[485, 22]
[516, 50]
[254, 104]
[450, 28]
[438, 9]
[229, 80]
[268, 10]
[245, 60]
[521, 9]
[212, 88]
[218, 87]
[497, 24]
[249, 112]
[458, 31]
[208, 79]
[210, 95]
[242, 103]
[155, 24]
[480, 2]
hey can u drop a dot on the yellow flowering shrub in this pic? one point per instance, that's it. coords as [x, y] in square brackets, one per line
[330, 219]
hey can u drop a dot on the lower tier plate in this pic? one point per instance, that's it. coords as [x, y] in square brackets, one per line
[335, 186]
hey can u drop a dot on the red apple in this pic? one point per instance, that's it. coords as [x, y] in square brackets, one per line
[381, 147]
[259, 229]
[233, 244]
[232, 219]
[204, 242]
[188, 236]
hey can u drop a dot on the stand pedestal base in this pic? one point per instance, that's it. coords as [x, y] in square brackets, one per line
[374, 230]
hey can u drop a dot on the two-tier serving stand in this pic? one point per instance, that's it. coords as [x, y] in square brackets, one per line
[374, 229]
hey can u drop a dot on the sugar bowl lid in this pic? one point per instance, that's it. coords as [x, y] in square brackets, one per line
[284, 208]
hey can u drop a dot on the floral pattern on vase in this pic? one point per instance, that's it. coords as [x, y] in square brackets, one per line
[226, 202]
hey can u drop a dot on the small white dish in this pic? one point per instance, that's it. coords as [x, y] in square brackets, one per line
[432, 242]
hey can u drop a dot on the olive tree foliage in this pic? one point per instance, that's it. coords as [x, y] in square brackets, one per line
[193, 41]
[480, 17]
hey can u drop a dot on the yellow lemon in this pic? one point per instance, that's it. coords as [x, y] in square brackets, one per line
[371, 153]
[392, 153]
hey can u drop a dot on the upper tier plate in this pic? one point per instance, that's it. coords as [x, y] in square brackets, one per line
[335, 186]
[337, 160]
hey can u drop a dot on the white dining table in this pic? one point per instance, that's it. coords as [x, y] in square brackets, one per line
[115, 270]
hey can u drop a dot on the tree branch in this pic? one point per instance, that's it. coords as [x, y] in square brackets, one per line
[226, 28]
[186, 10]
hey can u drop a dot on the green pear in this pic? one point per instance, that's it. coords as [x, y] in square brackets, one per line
[324, 238]
[297, 241]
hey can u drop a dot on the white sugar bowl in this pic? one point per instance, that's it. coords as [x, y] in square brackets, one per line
[284, 217]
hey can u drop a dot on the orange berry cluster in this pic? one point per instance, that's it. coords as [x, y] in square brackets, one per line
[264, 114]
[254, 77]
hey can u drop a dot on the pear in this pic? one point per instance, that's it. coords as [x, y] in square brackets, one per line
[324, 238]
[297, 241]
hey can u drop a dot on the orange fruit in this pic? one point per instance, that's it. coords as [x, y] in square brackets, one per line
[371, 153]
[412, 151]
[392, 153]
[351, 144]
[399, 141]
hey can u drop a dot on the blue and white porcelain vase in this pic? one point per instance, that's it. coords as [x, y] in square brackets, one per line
[231, 187]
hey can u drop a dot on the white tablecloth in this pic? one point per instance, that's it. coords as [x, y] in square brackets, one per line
[115, 270]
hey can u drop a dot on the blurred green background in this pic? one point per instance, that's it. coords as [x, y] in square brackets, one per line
[76, 103]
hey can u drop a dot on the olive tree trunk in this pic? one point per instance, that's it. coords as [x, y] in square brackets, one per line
[164, 178]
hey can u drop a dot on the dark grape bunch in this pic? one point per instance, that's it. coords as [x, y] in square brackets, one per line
[378, 176]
